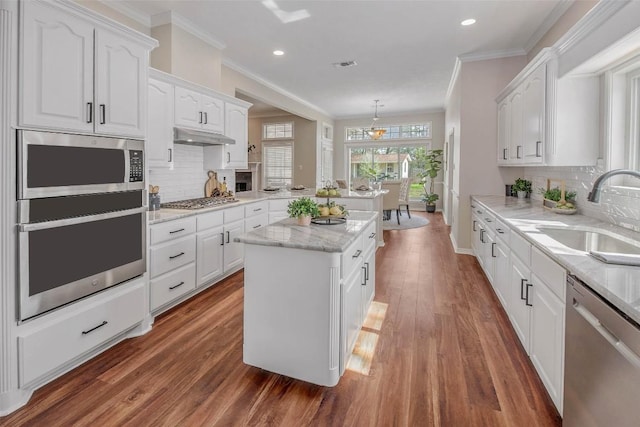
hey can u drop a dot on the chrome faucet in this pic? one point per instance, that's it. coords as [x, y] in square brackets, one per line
[594, 194]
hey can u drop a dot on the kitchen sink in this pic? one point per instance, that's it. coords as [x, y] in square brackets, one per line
[589, 240]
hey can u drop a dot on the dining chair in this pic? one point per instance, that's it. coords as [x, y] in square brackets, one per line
[390, 199]
[405, 184]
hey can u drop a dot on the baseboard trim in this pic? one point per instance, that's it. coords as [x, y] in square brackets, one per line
[456, 249]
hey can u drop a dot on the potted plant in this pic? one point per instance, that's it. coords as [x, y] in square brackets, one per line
[522, 187]
[304, 209]
[433, 164]
[553, 199]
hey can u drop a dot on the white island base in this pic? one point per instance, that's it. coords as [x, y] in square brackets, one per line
[303, 308]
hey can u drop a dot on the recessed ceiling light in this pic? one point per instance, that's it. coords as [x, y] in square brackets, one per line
[278, 52]
[466, 22]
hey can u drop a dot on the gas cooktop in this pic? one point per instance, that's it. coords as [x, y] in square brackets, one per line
[203, 202]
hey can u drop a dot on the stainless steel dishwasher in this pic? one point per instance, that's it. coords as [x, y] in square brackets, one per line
[602, 362]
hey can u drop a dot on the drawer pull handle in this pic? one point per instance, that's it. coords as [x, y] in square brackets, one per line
[499, 230]
[227, 237]
[104, 322]
[493, 252]
[366, 272]
[372, 235]
[488, 220]
[518, 151]
[479, 211]
[176, 256]
[357, 254]
[200, 121]
[103, 114]
[504, 154]
[176, 231]
[90, 112]
[473, 206]
[257, 209]
[364, 283]
[522, 282]
[474, 225]
[526, 297]
[176, 286]
[482, 235]
[257, 226]
[221, 239]
[206, 118]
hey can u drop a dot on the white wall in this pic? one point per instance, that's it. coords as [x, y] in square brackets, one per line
[471, 114]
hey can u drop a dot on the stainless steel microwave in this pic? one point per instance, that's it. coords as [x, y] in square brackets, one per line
[57, 164]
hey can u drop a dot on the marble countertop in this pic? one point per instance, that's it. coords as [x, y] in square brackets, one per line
[325, 238]
[245, 197]
[618, 284]
[308, 192]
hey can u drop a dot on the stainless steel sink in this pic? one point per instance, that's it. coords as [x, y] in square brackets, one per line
[592, 241]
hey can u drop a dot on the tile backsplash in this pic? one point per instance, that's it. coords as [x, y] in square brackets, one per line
[618, 205]
[187, 178]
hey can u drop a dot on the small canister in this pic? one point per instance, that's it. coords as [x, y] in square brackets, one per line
[508, 191]
[154, 201]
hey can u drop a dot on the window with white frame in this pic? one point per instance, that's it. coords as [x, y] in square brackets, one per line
[633, 85]
[410, 131]
[327, 162]
[277, 159]
[271, 131]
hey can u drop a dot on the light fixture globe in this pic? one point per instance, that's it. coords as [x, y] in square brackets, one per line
[374, 133]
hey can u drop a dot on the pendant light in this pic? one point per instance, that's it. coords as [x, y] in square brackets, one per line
[374, 133]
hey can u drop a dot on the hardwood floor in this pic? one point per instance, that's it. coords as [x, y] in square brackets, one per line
[446, 356]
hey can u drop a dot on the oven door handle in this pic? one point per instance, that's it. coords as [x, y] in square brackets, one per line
[78, 220]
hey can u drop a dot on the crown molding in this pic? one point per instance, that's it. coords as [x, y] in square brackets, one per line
[560, 9]
[129, 12]
[602, 11]
[452, 81]
[171, 17]
[232, 65]
[493, 54]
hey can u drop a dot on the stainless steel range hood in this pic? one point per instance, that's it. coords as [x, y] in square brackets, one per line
[198, 137]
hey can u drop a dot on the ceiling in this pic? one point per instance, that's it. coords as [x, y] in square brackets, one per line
[405, 50]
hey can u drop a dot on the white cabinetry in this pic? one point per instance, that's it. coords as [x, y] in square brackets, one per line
[531, 288]
[78, 75]
[172, 258]
[236, 122]
[210, 247]
[160, 125]
[46, 345]
[543, 119]
[198, 111]
[233, 251]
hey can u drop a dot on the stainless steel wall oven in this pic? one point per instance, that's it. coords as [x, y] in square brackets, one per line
[82, 217]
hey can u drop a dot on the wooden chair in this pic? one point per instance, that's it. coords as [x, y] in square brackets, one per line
[390, 199]
[405, 184]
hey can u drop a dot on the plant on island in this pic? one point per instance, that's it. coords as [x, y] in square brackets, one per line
[302, 207]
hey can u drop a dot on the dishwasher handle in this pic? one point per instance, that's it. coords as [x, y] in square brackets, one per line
[615, 342]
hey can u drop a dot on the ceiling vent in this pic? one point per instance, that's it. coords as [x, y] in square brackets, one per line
[345, 64]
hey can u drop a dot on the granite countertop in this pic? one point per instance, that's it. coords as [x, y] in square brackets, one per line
[325, 238]
[164, 215]
[618, 284]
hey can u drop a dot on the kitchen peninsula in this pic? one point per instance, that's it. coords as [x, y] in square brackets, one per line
[306, 293]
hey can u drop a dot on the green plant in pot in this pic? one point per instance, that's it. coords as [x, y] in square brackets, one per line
[433, 164]
[303, 209]
[522, 187]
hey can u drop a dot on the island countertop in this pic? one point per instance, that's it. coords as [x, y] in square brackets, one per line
[308, 192]
[325, 238]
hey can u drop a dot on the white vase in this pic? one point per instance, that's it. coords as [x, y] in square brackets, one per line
[304, 220]
[522, 194]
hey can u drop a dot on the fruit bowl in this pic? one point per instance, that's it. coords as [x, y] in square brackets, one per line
[564, 211]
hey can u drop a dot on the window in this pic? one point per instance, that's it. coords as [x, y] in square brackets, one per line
[389, 163]
[416, 131]
[327, 162]
[277, 130]
[277, 158]
[633, 84]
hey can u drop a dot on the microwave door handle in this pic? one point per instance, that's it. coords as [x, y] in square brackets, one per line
[78, 220]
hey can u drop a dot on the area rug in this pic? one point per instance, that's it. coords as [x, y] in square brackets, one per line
[414, 222]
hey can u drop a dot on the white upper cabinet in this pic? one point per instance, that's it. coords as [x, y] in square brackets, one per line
[198, 111]
[236, 123]
[160, 125]
[546, 120]
[78, 74]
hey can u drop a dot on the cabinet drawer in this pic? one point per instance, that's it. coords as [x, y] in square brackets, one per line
[520, 247]
[233, 214]
[256, 209]
[172, 255]
[503, 231]
[255, 222]
[488, 219]
[46, 349]
[210, 220]
[172, 285]
[554, 275]
[352, 257]
[278, 205]
[356, 204]
[369, 236]
[172, 229]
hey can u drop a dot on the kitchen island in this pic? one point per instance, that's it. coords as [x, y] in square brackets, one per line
[307, 290]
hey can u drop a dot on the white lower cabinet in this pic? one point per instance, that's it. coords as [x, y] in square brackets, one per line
[233, 251]
[352, 308]
[43, 349]
[173, 285]
[531, 288]
[210, 253]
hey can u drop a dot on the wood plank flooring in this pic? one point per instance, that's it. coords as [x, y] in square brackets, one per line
[446, 356]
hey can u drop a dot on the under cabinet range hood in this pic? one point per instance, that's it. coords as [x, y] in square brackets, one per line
[198, 137]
